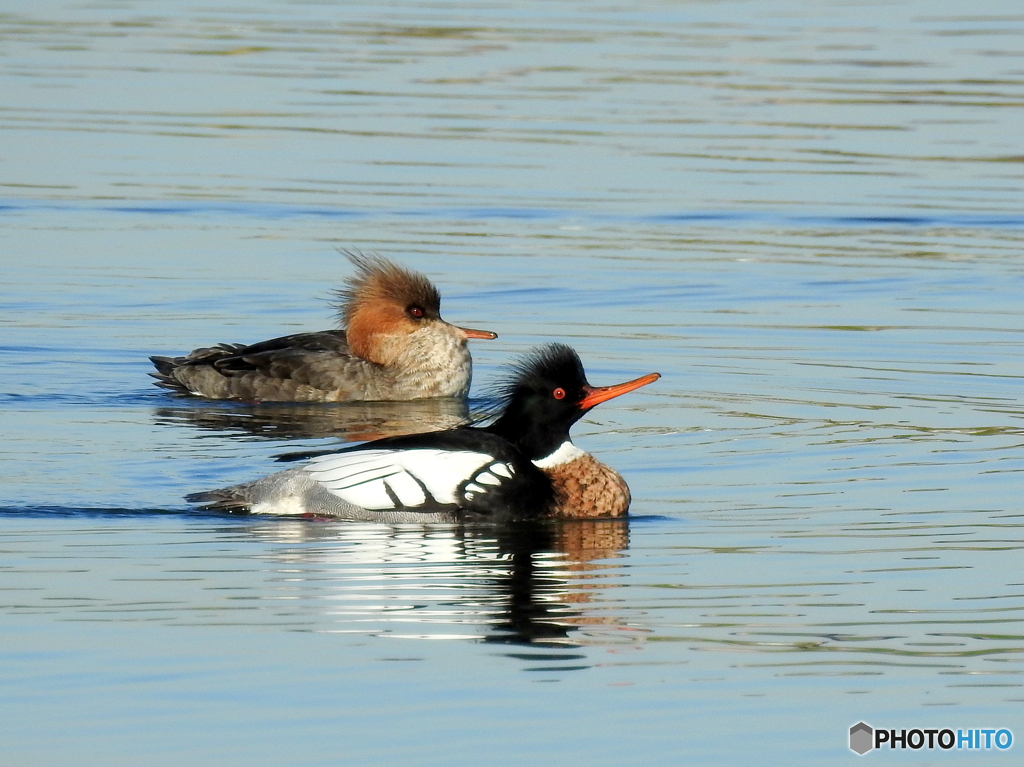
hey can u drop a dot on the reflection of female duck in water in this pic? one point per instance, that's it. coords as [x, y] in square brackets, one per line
[348, 421]
[522, 466]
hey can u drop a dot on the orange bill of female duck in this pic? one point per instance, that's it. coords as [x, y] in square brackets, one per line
[392, 345]
[522, 466]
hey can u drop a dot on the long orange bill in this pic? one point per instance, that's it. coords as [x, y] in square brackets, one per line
[478, 333]
[598, 394]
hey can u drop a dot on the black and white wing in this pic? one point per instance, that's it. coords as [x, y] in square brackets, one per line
[418, 479]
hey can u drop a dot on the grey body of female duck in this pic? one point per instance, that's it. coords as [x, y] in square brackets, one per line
[393, 345]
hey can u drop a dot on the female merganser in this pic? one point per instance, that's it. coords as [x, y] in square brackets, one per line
[522, 466]
[393, 346]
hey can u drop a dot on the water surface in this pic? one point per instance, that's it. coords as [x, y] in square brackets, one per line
[805, 217]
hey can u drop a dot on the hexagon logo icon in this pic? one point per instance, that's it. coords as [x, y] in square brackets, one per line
[861, 738]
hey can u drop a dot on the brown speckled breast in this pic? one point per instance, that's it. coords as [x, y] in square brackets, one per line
[586, 488]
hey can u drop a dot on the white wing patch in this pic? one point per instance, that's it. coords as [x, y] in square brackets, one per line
[380, 480]
[489, 477]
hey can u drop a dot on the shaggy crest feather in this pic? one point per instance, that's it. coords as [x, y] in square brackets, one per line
[378, 279]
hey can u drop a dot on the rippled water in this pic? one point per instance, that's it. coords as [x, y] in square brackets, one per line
[806, 217]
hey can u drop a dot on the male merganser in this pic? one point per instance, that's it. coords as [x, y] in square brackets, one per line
[393, 346]
[522, 466]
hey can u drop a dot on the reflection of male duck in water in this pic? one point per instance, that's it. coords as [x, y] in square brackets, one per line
[546, 596]
[520, 584]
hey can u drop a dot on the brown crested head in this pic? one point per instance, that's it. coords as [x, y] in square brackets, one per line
[383, 299]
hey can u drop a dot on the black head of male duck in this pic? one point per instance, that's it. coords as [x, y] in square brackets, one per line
[392, 345]
[522, 466]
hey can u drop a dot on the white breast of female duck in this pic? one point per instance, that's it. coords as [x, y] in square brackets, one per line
[432, 361]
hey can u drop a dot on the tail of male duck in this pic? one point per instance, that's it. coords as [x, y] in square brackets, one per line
[219, 500]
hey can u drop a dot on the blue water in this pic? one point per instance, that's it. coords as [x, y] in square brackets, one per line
[806, 217]
[722, 218]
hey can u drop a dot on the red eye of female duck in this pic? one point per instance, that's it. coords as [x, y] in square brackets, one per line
[558, 393]
[416, 312]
